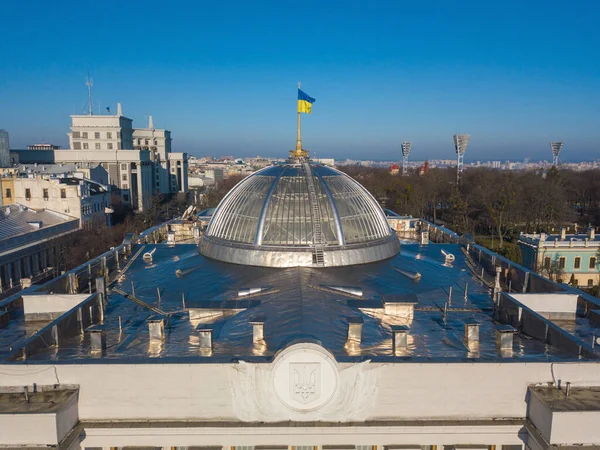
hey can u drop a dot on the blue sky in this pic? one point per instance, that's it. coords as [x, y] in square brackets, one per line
[222, 75]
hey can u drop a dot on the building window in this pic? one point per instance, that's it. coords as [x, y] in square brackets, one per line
[75, 134]
[577, 263]
[45, 193]
[146, 142]
[8, 193]
[124, 177]
[109, 146]
[125, 186]
[63, 193]
[547, 262]
[97, 146]
[76, 145]
[575, 282]
[562, 262]
[85, 146]
[84, 135]
[592, 263]
[109, 135]
[27, 194]
[96, 135]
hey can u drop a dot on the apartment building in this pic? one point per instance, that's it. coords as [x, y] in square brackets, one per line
[83, 199]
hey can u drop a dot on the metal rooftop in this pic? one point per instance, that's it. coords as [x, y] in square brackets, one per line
[20, 225]
[179, 306]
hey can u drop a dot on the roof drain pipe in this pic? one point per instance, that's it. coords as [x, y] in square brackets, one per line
[249, 291]
[357, 292]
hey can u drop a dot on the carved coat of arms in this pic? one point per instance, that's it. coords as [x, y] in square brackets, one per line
[305, 381]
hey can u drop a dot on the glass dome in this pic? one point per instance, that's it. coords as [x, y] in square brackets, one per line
[302, 214]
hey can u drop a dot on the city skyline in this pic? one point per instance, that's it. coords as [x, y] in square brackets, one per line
[381, 74]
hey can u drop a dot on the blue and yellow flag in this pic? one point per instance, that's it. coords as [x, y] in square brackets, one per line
[304, 102]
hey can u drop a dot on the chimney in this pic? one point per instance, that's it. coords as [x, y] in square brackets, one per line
[504, 337]
[542, 237]
[471, 332]
[563, 233]
[591, 233]
[156, 329]
[424, 237]
[205, 338]
[119, 110]
[258, 329]
[399, 338]
[150, 123]
[97, 339]
[355, 329]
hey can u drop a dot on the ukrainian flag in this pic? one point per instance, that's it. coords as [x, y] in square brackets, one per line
[304, 102]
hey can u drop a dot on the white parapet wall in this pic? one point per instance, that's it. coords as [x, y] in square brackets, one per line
[41, 419]
[550, 305]
[49, 306]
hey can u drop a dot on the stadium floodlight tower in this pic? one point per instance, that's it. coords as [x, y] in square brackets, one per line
[405, 152]
[556, 148]
[460, 145]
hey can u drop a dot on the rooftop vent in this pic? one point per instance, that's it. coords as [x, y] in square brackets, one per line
[205, 335]
[504, 337]
[449, 258]
[258, 329]
[471, 332]
[97, 338]
[399, 338]
[148, 255]
[156, 329]
[7, 211]
[355, 325]
[35, 223]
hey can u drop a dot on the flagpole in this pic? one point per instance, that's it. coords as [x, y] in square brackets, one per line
[299, 140]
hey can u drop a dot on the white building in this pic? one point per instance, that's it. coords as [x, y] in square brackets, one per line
[170, 169]
[83, 199]
[28, 250]
[339, 340]
[138, 171]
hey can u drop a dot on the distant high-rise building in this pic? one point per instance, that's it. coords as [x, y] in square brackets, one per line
[4, 149]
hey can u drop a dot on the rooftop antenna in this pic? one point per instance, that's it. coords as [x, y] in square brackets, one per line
[89, 83]
[556, 148]
[405, 152]
[460, 145]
